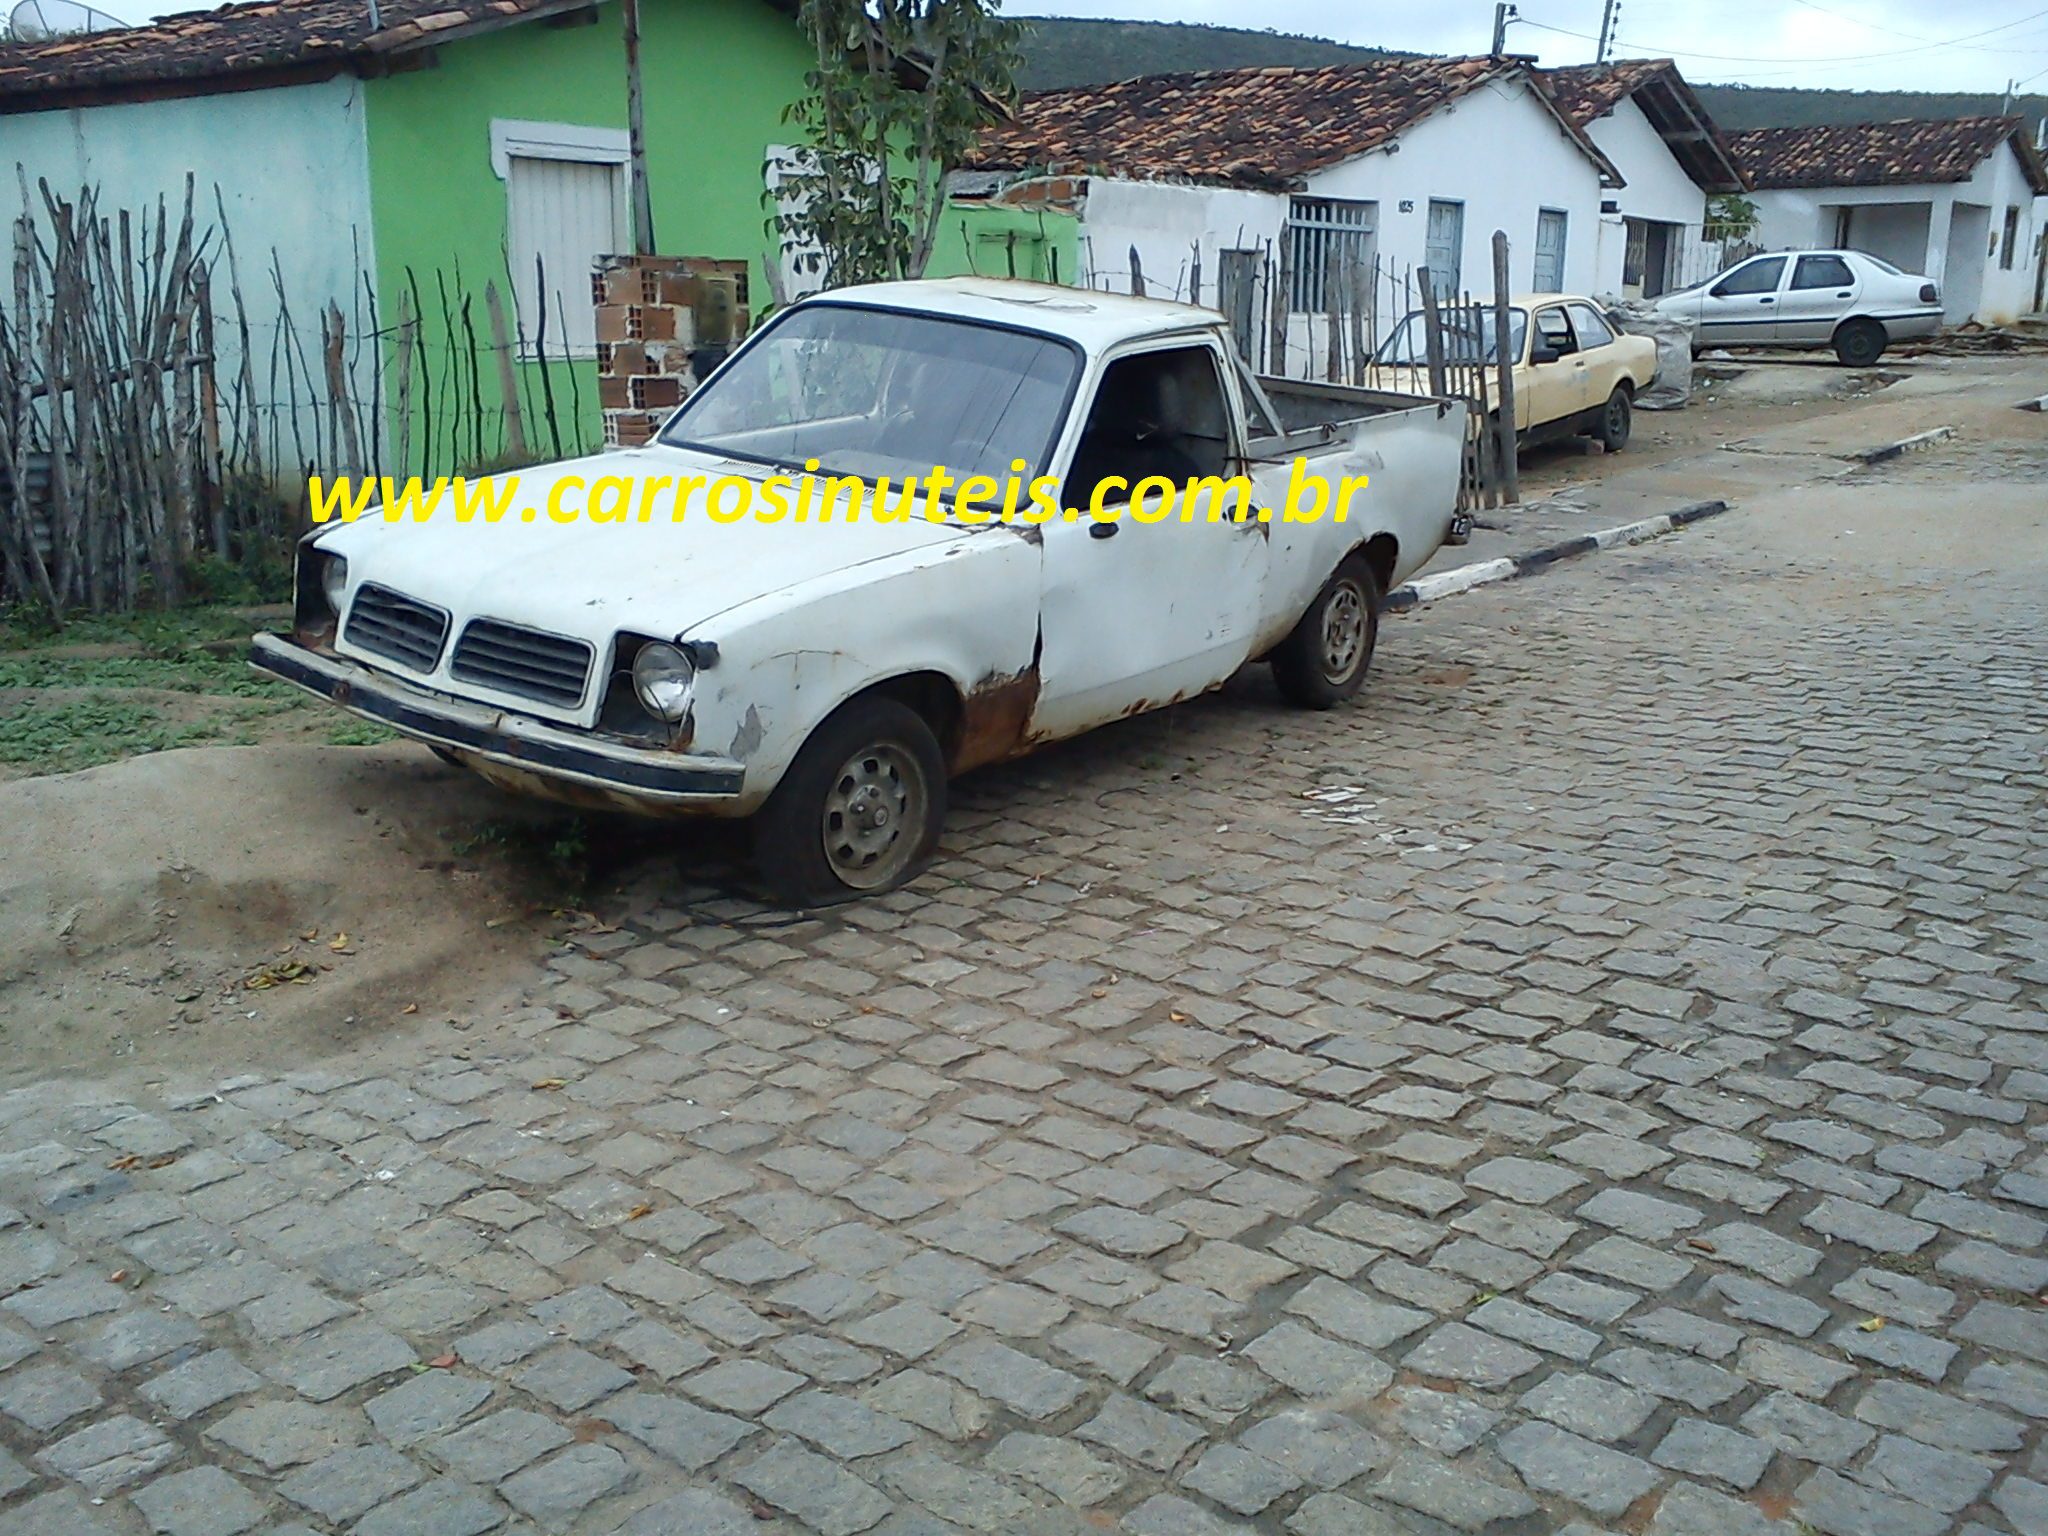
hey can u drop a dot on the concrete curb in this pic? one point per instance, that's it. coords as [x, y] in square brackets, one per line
[1462, 578]
[1891, 451]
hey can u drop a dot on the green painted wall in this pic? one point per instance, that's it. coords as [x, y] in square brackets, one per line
[717, 75]
[976, 239]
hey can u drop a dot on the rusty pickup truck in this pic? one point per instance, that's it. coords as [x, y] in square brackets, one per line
[826, 678]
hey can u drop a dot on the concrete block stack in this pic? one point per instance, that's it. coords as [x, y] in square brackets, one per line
[663, 322]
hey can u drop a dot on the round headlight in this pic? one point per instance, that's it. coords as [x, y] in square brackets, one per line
[662, 677]
[333, 580]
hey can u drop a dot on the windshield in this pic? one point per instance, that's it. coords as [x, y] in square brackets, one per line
[1468, 337]
[878, 392]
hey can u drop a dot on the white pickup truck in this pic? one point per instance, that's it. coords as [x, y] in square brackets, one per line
[826, 678]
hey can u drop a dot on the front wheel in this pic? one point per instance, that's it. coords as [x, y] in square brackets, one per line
[1617, 420]
[1859, 343]
[860, 809]
[1324, 658]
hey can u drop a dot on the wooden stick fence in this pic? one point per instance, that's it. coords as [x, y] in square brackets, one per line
[151, 414]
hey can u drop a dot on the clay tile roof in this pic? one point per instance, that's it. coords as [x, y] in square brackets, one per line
[243, 44]
[1588, 91]
[1907, 152]
[1264, 128]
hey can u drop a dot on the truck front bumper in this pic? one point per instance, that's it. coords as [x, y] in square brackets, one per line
[514, 750]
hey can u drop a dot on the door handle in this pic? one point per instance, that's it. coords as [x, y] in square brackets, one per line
[1846, 293]
[1767, 301]
[1103, 530]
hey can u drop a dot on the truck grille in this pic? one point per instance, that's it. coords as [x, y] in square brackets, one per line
[394, 625]
[525, 662]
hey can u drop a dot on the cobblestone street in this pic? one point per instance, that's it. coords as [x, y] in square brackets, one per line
[1598, 1082]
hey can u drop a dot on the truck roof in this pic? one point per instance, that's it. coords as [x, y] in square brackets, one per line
[1095, 321]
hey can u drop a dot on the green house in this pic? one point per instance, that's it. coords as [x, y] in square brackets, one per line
[380, 167]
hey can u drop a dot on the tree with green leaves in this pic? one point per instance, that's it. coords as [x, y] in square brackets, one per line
[897, 94]
[1731, 216]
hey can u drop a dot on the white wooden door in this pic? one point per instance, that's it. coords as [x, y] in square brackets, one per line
[561, 216]
[1550, 231]
[1445, 246]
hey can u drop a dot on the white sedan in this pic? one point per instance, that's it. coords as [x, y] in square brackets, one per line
[1849, 300]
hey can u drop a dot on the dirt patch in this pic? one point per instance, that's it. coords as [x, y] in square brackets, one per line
[214, 907]
[1731, 399]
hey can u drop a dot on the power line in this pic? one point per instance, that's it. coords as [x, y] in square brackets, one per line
[1847, 58]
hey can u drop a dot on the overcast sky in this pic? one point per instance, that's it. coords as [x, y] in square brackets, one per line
[1851, 44]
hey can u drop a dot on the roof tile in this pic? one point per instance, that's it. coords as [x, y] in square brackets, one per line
[1263, 127]
[1905, 152]
[238, 39]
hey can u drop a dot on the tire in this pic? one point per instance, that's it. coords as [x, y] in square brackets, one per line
[872, 757]
[1324, 659]
[1617, 419]
[1859, 343]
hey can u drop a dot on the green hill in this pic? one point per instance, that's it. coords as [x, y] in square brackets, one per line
[1066, 51]
[1773, 106]
[1063, 51]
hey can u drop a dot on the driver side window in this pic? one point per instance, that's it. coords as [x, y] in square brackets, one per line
[1155, 413]
[1554, 330]
[1760, 276]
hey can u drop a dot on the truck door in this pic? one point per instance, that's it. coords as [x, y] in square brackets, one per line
[1143, 610]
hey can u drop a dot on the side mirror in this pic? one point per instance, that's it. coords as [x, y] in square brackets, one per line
[1543, 352]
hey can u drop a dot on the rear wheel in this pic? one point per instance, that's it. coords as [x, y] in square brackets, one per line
[1324, 658]
[1617, 419]
[1859, 343]
[860, 809]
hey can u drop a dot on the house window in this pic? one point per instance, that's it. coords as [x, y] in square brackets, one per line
[565, 207]
[2012, 237]
[1322, 230]
[1550, 231]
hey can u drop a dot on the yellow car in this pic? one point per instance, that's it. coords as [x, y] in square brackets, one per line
[1575, 374]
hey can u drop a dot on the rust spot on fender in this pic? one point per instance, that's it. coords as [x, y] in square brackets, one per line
[995, 717]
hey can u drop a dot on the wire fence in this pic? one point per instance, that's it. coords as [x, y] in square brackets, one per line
[1382, 325]
[162, 402]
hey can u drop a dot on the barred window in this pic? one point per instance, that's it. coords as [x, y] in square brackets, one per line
[1319, 230]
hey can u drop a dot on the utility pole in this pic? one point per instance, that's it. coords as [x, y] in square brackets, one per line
[642, 201]
[1610, 14]
[1503, 13]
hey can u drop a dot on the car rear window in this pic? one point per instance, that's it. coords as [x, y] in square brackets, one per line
[1822, 272]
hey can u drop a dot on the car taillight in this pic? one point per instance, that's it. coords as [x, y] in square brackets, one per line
[1928, 294]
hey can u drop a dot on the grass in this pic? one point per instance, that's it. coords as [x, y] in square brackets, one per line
[360, 733]
[60, 735]
[65, 706]
[554, 853]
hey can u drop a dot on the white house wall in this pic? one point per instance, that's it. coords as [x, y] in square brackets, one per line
[1658, 189]
[2001, 183]
[1804, 217]
[1498, 150]
[292, 166]
[1168, 224]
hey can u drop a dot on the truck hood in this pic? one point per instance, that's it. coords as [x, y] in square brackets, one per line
[591, 580]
